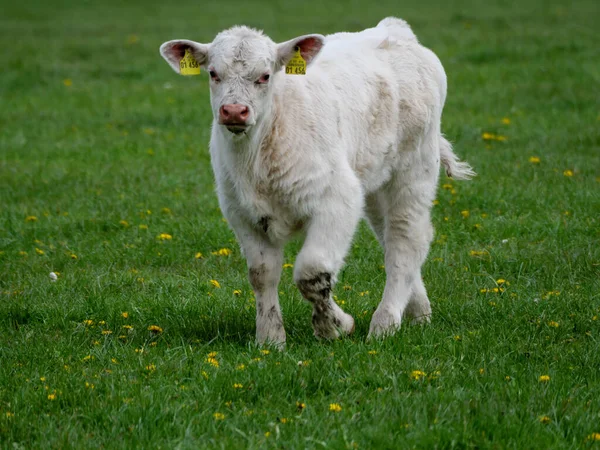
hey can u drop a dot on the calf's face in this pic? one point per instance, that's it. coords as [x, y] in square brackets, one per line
[242, 64]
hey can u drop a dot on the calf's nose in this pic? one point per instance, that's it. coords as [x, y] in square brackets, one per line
[233, 114]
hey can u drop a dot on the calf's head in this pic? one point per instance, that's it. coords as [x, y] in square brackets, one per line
[243, 64]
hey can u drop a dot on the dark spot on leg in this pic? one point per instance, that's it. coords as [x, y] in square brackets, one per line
[256, 277]
[272, 312]
[316, 289]
[259, 308]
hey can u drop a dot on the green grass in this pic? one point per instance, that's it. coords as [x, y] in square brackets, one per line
[125, 138]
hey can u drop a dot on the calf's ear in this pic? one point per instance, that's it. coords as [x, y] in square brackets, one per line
[174, 51]
[310, 45]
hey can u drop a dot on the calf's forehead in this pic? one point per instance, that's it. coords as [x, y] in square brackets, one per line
[242, 48]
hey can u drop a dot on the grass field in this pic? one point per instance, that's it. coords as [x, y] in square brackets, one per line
[105, 179]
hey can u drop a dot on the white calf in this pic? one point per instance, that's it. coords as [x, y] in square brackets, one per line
[358, 134]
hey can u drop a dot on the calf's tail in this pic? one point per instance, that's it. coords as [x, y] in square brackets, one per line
[455, 168]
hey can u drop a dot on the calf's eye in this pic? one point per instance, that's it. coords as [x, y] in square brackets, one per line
[263, 79]
[213, 75]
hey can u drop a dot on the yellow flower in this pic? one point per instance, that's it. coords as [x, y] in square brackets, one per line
[507, 378]
[219, 416]
[568, 173]
[283, 420]
[500, 138]
[553, 324]
[68, 82]
[594, 437]
[30, 219]
[166, 211]
[238, 386]
[457, 338]
[212, 354]
[128, 327]
[288, 266]
[123, 223]
[488, 136]
[73, 256]
[545, 419]
[501, 281]
[22, 253]
[155, 329]
[335, 407]
[417, 374]
[534, 160]
[198, 255]
[9, 414]
[267, 434]
[151, 367]
[372, 352]
[39, 251]
[164, 237]
[89, 385]
[125, 314]
[544, 378]
[506, 121]
[222, 252]
[237, 292]
[51, 397]
[265, 352]
[465, 213]
[477, 253]
[300, 406]
[143, 226]
[212, 361]
[215, 283]
[87, 358]
[241, 367]
[481, 371]
[106, 332]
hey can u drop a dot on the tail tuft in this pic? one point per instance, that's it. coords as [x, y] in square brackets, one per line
[455, 168]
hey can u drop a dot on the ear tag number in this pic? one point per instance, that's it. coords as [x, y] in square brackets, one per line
[188, 64]
[296, 65]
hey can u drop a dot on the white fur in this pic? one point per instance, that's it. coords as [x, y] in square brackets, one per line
[358, 135]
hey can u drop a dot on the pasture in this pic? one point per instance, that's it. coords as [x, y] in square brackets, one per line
[146, 338]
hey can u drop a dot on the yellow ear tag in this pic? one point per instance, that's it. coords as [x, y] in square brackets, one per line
[188, 64]
[296, 65]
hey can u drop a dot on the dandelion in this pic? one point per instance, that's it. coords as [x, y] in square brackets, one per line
[544, 378]
[288, 266]
[267, 434]
[222, 252]
[477, 253]
[335, 407]
[89, 385]
[488, 136]
[128, 327]
[68, 82]
[553, 324]
[164, 237]
[372, 352]
[501, 281]
[198, 255]
[534, 160]
[42, 379]
[435, 202]
[212, 361]
[457, 338]
[465, 214]
[166, 211]
[545, 419]
[51, 397]
[506, 121]
[151, 368]
[300, 406]
[106, 332]
[240, 367]
[265, 352]
[212, 354]
[507, 378]
[143, 226]
[155, 329]
[204, 374]
[219, 416]
[238, 386]
[568, 173]
[9, 415]
[481, 371]
[87, 358]
[237, 292]
[417, 374]
[31, 219]
[594, 437]
[73, 256]
[123, 223]
[215, 283]
[500, 138]
[125, 314]
[39, 251]
[283, 420]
